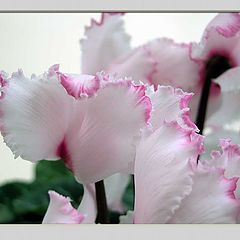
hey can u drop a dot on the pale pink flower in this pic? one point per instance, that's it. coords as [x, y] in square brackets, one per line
[102, 124]
[165, 62]
[170, 187]
[91, 122]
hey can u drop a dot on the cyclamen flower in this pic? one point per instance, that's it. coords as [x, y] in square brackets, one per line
[94, 129]
[104, 124]
[170, 187]
[165, 62]
[172, 136]
[105, 42]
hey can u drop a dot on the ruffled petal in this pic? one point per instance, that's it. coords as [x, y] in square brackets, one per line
[128, 218]
[3, 85]
[177, 67]
[35, 115]
[115, 187]
[139, 64]
[42, 121]
[174, 65]
[163, 173]
[60, 210]
[221, 37]
[228, 159]
[229, 81]
[227, 24]
[79, 86]
[212, 199]
[105, 41]
[88, 204]
[228, 115]
[213, 134]
[105, 142]
[169, 105]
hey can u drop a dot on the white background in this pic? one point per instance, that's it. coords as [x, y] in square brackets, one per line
[35, 41]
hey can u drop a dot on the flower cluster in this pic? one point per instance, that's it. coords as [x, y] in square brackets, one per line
[128, 113]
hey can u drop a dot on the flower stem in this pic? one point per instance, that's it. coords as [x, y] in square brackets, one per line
[202, 108]
[213, 69]
[102, 216]
[133, 181]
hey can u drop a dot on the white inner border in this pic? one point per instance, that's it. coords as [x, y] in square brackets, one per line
[134, 5]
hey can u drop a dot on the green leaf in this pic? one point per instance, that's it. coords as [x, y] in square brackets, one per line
[6, 215]
[28, 202]
[128, 197]
[49, 170]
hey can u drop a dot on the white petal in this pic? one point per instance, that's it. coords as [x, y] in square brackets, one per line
[228, 159]
[105, 143]
[212, 199]
[42, 121]
[105, 41]
[80, 86]
[227, 24]
[169, 105]
[213, 134]
[221, 36]
[174, 65]
[60, 210]
[88, 204]
[3, 85]
[139, 64]
[163, 173]
[228, 113]
[35, 115]
[115, 187]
